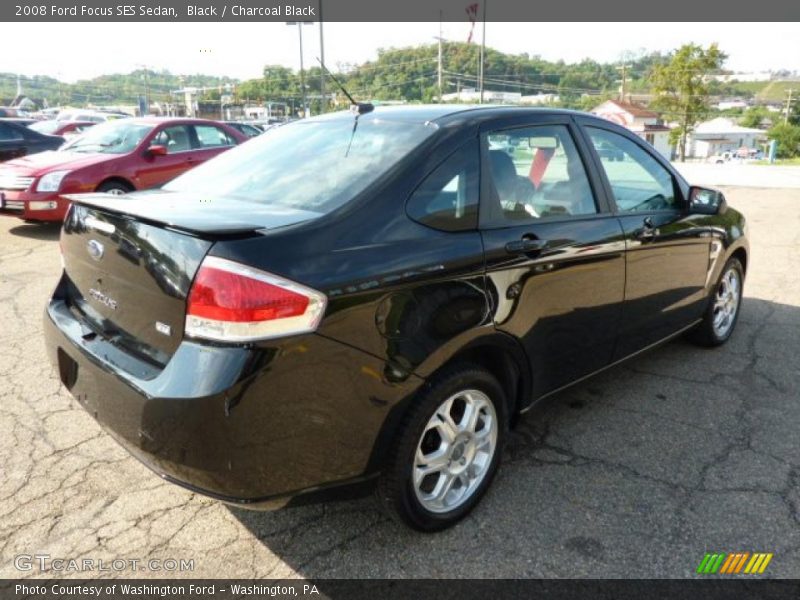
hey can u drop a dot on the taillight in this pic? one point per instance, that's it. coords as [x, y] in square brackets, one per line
[230, 302]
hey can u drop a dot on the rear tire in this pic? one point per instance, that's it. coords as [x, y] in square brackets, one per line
[116, 188]
[448, 450]
[723, 309]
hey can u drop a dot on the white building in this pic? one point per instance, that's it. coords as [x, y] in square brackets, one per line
[540, 99]
[729, 104]
[471, 95]
[721, 135]
[644, 123]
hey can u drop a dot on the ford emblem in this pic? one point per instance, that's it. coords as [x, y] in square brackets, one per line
[95, 249]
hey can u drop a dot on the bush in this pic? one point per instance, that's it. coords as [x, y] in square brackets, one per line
[788, 138]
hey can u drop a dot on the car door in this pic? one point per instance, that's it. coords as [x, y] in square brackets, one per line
[554, 253]
[12, 143]
[209, 141]
[667, 254]
[158, 169]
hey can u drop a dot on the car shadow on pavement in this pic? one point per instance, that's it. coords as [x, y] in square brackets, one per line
[38, 231]
[637, 470]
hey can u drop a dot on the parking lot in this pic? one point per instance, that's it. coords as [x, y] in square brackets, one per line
[635, 473]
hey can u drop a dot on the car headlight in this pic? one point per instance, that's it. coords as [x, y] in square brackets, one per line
[51, 181]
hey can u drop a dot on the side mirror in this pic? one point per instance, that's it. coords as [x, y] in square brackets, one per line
[157, 150]
[705, 201]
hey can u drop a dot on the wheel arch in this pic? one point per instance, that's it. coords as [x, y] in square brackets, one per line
[116, 179]
[741, 255]
[499, 353]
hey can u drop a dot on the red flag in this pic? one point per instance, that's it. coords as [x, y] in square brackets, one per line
[472, 13]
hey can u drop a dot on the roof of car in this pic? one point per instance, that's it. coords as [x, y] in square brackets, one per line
[437, 112]
[159, 120]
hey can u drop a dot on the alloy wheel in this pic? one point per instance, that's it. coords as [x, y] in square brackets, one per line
[726, 303]
[455, 451]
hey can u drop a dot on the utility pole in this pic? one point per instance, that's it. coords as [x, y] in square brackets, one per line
[146, 89]
[323, 101]
[302, 68]
[483, 49]
[788, 106]
[439, 67]
[624, 90]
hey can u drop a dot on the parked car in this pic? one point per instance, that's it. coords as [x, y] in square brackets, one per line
[94, 116]
[248, 129]
[24, 121]
[115, 157]
[609, 152]
[17, 140]
[326, 309]
[65, 129]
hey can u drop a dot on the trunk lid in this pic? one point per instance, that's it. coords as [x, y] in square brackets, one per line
[197, 214]
[130, 261]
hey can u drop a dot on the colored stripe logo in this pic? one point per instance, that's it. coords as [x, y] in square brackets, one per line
[734, 563]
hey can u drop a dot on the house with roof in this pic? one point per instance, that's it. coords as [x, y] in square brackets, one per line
[643, 122]
[720, 136]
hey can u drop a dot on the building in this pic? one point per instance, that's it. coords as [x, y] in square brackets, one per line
[540, 99]
[644, 123]
[721, 135]
[471, 96]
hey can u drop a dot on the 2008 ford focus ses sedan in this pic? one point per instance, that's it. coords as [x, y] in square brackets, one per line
[368, 300]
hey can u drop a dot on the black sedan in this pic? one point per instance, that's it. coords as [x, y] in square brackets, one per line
[16, 140]
[368, 300]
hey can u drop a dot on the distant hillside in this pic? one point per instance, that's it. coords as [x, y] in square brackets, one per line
[408, 74]
[117, 88]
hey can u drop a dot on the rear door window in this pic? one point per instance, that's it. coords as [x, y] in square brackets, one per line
[535, 173]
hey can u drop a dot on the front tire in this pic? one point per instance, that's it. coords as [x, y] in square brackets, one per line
[723, 309]
[115, 188]
[448, 450]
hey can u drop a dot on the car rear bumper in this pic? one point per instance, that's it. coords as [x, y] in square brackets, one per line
[33, 206]
[261, 426]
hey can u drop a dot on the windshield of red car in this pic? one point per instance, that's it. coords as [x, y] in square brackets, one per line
[112, 137]
[314, 165]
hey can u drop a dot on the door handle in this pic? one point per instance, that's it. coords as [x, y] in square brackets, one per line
[648, 231]
[525, 246]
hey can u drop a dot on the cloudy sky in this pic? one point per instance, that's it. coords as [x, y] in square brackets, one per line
[83, 50]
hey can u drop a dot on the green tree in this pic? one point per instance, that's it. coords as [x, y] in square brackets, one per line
[681, 88]
[754, 116]
[788, 138]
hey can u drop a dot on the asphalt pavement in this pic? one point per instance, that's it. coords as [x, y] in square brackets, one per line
[635, 473]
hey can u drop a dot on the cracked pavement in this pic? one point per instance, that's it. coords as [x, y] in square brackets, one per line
[634, 473]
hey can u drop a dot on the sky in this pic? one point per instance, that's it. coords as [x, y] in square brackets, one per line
[240, 50]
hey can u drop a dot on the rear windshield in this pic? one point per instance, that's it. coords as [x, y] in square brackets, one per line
[309, 165]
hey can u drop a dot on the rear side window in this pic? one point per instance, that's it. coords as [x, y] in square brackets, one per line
[448, 198]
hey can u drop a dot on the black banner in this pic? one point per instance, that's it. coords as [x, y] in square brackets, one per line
[393, 11]
[382, 589]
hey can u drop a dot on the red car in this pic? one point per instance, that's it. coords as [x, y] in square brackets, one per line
[114, 157]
